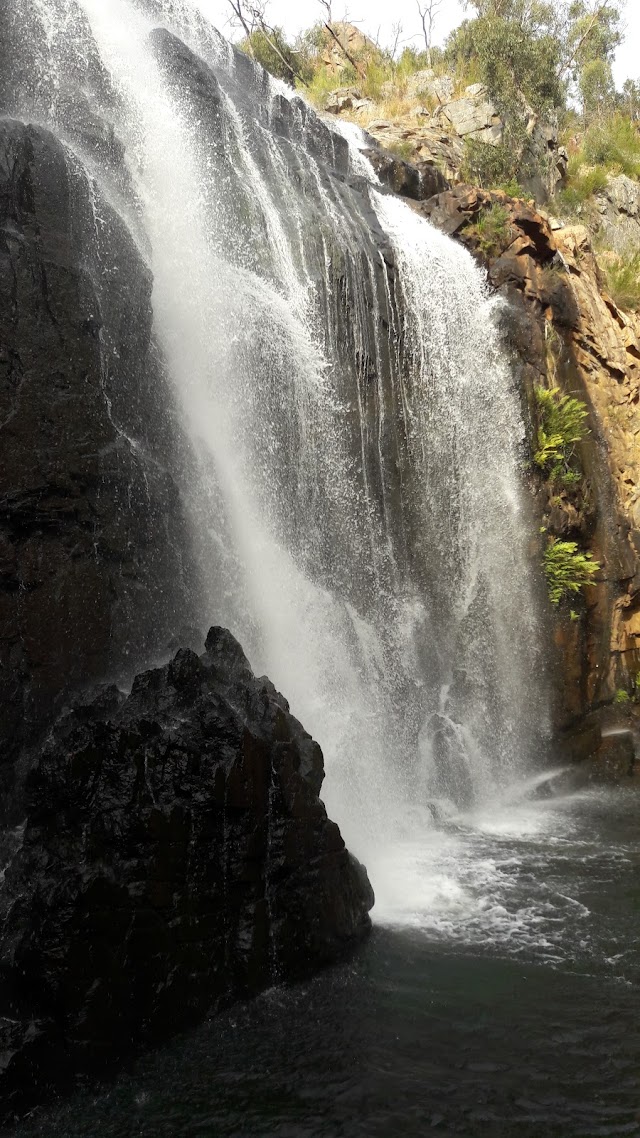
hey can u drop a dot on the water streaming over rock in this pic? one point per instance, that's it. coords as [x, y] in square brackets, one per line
[354, 493]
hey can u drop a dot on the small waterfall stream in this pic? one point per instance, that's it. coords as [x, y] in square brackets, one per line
[355, 504]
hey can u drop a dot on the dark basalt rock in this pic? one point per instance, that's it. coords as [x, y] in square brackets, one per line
[91, 456]
[175, 856]
[417, 182]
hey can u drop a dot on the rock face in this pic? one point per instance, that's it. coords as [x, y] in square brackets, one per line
[618, 208]
[175, 856]
[90, 457]
[565, 330]
[418, 181]
[474, 116]
[342, 41]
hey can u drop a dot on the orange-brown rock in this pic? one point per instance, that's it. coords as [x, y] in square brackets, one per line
[565, 330]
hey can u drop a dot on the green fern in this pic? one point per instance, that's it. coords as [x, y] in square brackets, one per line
[621, 696]
[562, 425]
[567, 569]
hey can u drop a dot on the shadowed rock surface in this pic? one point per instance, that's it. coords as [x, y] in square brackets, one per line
[175, 856]
[90, 451]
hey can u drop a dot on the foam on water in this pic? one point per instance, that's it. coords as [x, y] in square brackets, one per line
[516, 880]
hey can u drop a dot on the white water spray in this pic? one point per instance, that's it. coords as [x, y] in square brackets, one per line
[356, 504]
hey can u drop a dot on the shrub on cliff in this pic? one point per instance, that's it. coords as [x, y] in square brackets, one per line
[609, 146]
[567, 569]
[271, 49]
[561, 428]
[623, 281]
[492, 232]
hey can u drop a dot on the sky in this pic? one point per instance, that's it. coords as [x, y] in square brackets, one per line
[374, 16]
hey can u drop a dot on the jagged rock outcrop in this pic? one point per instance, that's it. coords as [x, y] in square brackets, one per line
[343, 41]
[474, 116]
[418, 181]
[426, 84]
[175, 856]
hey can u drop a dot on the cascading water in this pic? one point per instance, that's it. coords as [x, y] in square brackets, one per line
[355, 504]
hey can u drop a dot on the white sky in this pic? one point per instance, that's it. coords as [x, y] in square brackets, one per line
[379, 15]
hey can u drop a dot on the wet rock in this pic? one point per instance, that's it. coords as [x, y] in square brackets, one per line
[90, 455]
[175, 857]
[417, 181]
[564, 330]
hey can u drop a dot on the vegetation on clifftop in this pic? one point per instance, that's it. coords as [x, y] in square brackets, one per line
[543, 65]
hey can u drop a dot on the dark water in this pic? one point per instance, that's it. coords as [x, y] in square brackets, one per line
[512, 1010]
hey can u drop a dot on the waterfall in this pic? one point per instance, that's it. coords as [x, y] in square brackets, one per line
[355, 501]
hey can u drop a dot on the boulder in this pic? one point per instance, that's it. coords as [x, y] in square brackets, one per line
[175, 856]
[346, 99]
[474, 116]
[351, 42]
[619, 209]
[417, 181]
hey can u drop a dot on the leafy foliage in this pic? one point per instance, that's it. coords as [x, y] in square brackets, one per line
[623, 281]
[609, 146]
[512, 188]
[515, 60]
[613, 143]
[489, 166]
[583, 182]
[272, 50]
[562, 426]
[596, 86]
[621, 696]
[492, 231]
[567, 569]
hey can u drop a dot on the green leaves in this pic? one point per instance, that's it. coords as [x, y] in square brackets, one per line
[567, 569]
[492, 230]
[623, 280]
[516, 62]
[562, 425]
[536, 50]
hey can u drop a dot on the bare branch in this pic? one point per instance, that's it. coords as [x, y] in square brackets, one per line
[240, 18]
[428, 10]
[250, 15]
[396, 32]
